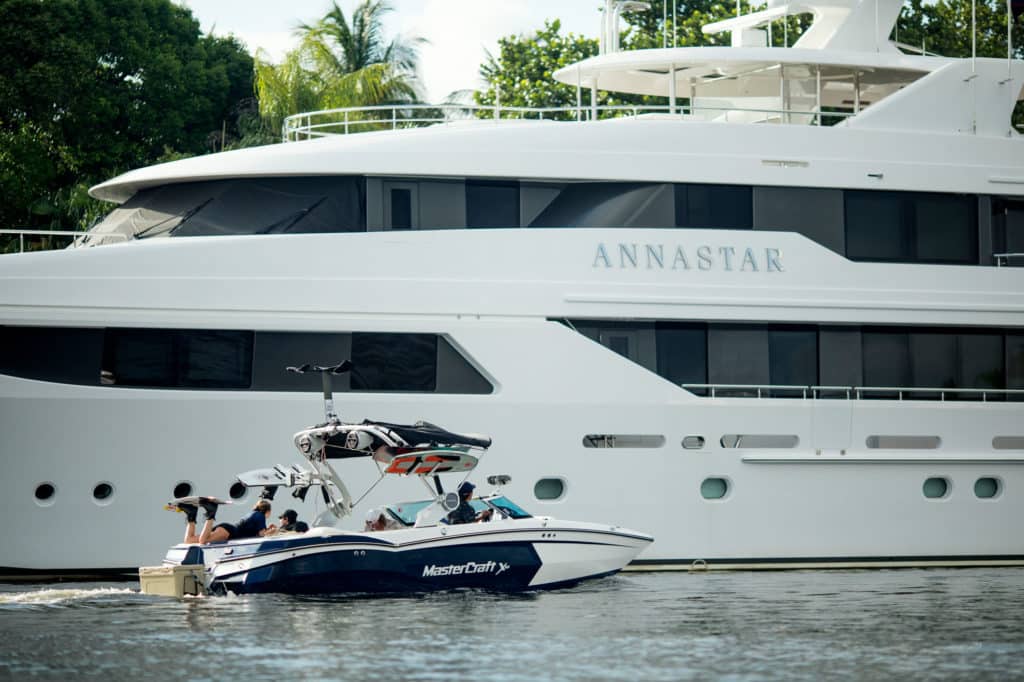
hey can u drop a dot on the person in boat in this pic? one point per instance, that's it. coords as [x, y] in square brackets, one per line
[290, 522]
[465, 513]
[379, 519]
[254, 524]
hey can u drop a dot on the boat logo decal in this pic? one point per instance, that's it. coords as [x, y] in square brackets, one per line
[634, 256]
[470, 567]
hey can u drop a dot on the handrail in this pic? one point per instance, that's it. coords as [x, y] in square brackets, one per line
[342, 121]
[75, 234]
[1000, 257]
[849, 392]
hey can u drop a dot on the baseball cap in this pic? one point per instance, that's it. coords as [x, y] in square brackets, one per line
[289, 515]
[466, 488]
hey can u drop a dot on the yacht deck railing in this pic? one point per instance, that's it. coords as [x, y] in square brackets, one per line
[853, 392]
[77, 237]
[327, 122]
[1007, 258]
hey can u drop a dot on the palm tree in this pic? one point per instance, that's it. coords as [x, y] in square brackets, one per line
[340, 64]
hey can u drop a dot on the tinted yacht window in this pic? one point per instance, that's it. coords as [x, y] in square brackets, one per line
[727, 207]
[243, 206]
[69, 356]
[177, 358]
[911, 227]
[394, 362]
[492, 204]
[608, 204]
[682, 352]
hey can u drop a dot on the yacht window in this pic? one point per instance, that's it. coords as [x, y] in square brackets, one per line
[935, 488]
[549, 489]
[980, 363]
[726, 207]
[911, 227]
[1008, 230]
[1015, 361]
[1008, 442]
[886, 357]
[738, 355]
[243, 206]
[986, 487]
[401, 209]
[876, 226]
[903, 442]
[177, 358]
[70, 356]
[394, 362]
[492, 204]
[682, 351]
[946, 228]
[815, 213]
[430, 362]
[793, 356]
[839, 357]
[714, 488]
[608, 204]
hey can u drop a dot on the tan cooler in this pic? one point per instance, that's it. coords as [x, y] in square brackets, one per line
[172, 581]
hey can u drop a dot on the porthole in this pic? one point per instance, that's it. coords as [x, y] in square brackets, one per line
[549, 489]
[936, 488]
[986, 487]
[183, 489]
[693, 442]
[103, 493]
[714, 488]
[46, 493]
[237, 491]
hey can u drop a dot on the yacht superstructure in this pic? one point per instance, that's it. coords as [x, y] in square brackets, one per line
[785, 302]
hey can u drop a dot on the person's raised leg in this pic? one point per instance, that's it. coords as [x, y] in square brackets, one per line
[190, 522]
[211, 534]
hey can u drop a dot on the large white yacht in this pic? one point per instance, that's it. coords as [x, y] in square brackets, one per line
[775, 323]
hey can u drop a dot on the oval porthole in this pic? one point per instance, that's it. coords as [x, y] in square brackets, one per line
[986, 487]
[45, 494]
[714, 488]
[549, 489]
[103, 493]
[237, 491]
[183, 489]
[935, 488]
[693, 442]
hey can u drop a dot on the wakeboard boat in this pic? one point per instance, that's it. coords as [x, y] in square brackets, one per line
[421, 549]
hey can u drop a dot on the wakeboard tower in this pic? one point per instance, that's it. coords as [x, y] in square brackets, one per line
[421, 551]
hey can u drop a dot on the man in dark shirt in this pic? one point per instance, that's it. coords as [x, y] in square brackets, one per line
[465, 513]
[290, 522]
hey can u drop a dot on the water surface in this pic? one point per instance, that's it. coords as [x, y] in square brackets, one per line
[921, 624]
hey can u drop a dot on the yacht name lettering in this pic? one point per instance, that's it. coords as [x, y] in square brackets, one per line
[632, 256]
[496, 567]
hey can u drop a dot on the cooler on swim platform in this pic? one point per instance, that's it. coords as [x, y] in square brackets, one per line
[172, 581]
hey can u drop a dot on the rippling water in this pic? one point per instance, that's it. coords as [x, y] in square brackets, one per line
[935, 623]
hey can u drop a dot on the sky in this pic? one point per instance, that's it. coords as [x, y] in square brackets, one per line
[459, 31]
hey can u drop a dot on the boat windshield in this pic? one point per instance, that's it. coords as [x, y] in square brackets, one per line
[406, 512]
[509, 507]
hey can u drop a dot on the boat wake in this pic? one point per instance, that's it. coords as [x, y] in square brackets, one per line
[60, 597]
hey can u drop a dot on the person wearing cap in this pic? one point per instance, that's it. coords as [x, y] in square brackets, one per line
[465, 513]
[378, 519]
[290, 522]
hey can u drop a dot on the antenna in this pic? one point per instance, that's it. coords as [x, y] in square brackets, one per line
[325, 379]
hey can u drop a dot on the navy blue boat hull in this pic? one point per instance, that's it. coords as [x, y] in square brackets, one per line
[500, 566]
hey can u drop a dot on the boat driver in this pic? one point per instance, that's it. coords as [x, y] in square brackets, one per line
[465, 513]
[254, 524]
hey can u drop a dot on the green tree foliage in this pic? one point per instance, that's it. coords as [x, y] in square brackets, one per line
[89, 88]
[339, 63]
